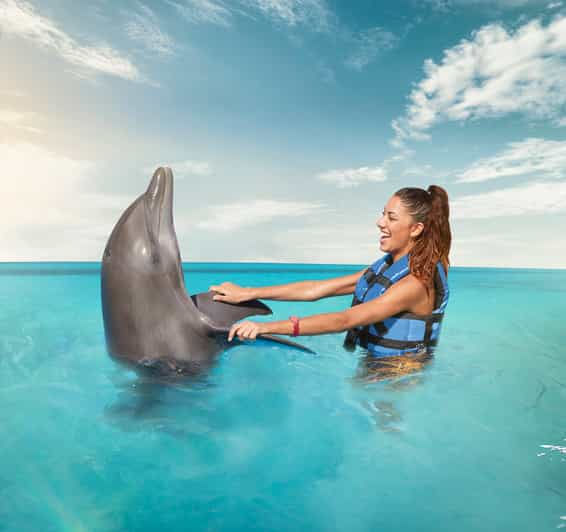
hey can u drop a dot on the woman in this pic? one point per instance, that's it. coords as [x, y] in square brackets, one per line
[399, 300]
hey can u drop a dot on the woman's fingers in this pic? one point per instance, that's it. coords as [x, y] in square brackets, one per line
[233, 331]
[226, 291]
[246, 330]
[237, 330]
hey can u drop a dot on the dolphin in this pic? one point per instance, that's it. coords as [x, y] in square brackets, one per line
[150, 321]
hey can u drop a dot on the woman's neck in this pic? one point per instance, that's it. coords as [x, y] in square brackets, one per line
[396, 255]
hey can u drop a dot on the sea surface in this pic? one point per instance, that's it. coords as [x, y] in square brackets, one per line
[273, 439]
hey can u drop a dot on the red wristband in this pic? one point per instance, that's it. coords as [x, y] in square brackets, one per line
[295, 321]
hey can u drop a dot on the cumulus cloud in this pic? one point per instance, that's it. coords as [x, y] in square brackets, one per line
[144, 28]
[494, 73]
[540, 157]
[183, 169]
[353, 177]
[369, 44]
[203, 11]
[532, 198]
[234, 216]
[19, 18]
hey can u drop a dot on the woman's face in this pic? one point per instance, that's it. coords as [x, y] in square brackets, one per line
[398, 228]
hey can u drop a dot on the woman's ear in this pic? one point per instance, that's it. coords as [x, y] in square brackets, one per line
[416, 230]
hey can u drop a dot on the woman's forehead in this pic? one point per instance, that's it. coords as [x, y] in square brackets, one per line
[394, 205]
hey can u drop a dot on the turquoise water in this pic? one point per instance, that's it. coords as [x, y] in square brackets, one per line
[275, 439]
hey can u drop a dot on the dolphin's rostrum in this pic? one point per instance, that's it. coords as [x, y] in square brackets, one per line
[149, 319]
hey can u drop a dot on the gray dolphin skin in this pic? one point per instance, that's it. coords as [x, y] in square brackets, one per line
[150, 321]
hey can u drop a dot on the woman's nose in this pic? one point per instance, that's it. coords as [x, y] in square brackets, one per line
[380, 222]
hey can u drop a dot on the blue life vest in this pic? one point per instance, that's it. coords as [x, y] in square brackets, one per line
[405, 332]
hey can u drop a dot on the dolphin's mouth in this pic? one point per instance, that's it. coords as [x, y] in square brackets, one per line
[158, 201]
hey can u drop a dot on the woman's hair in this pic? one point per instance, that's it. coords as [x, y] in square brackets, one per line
[430, 207]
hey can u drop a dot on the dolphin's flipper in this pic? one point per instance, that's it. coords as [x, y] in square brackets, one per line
[272, 338]
[284, 341]
[224, 315]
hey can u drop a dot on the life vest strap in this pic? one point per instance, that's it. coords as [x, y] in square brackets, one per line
[383, 281]
[382, 329]
[366, 338]
[372, 278]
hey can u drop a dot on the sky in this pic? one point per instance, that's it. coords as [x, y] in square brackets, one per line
[288, 124]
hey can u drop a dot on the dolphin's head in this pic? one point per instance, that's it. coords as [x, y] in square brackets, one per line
[144, 238]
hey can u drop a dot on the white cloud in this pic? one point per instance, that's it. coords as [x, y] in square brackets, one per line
[444, 5]
[312, 13]
[144, 28]
[341, 240]
[544, 158]
[352, 177]
[13, 93]
[183, 169]
[203, 11]
[234, 216]
[8, 116]
[504, 249]
[49, 216]
[18, 120]
[369, 44]
[554, 5]
[532, 198]
[19, 18]
[496, 72]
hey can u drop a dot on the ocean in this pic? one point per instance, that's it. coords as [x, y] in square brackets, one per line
[273, 439]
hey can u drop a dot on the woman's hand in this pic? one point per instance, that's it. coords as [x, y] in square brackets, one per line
[246, 330]
[230, 293]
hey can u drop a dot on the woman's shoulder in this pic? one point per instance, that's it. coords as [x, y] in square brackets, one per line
[413, 283]
[415, 294]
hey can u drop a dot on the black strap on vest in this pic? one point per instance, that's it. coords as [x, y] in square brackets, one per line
[367, 338]
[371, 278]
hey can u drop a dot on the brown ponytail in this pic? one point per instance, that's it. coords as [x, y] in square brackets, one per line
[430, 207]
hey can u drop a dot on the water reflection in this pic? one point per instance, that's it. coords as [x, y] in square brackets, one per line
[156, 404]
[397, 373]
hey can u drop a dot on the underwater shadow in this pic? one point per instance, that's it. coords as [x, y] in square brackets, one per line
[155, 403]
[393, 374]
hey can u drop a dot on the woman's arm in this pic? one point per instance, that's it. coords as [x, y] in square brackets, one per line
[301, 291]
[402, 296]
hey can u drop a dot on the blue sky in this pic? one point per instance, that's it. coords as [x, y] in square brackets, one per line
[288, 124]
